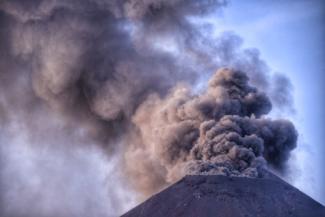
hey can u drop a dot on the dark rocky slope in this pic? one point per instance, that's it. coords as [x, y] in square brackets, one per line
[221, 196]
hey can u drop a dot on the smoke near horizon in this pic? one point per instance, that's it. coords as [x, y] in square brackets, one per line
[220, 131]
[98, 95]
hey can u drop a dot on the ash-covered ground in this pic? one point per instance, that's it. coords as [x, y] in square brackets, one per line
[222, 196]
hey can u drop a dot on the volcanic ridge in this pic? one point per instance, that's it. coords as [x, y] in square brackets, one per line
[218, 195]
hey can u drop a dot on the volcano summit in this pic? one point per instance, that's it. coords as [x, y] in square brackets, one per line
[222, 196]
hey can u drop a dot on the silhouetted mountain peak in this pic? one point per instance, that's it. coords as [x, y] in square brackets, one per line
[216, 195]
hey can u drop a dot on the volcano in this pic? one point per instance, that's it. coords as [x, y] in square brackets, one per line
[223, 196]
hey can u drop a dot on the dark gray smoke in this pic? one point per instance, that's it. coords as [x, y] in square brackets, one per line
[220, 131]
[87, 77]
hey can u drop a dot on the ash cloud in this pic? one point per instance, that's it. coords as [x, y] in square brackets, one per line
[119, 75]
[221, 131]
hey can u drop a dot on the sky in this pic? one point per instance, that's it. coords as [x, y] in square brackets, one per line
[289, 36]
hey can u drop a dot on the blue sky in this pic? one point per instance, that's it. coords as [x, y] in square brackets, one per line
[290, 37]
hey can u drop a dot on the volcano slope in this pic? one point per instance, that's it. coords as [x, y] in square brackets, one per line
[222, 196]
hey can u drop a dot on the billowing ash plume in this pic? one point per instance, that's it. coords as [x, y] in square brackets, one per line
[119, 75]
[220, 131]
